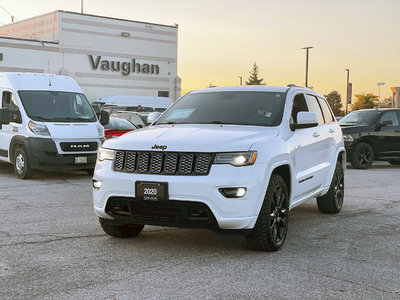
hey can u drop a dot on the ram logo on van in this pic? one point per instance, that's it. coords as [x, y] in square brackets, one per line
[125, 68]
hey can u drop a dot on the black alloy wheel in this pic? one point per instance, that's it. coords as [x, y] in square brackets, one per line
[332, 201]
[270, 230]
[363, 156]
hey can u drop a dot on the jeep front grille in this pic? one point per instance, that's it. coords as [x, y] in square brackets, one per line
[163, 163]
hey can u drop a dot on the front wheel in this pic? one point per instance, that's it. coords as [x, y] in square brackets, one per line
[363, 156]
[332, 201]
[22, 167]
[121, 231]
[270, 230]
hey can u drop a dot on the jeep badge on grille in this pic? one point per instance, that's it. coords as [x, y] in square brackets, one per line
[162, 147]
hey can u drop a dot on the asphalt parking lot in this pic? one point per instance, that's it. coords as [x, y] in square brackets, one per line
[52, 247]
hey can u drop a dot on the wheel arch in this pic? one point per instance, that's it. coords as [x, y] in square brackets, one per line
[17, 142]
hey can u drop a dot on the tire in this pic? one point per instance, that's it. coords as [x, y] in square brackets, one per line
[22, 167]
[121, 231]
[395, 162]
[332, 201]
[270, 230]
[363, 156]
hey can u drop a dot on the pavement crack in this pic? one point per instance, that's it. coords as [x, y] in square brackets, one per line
[53, 240]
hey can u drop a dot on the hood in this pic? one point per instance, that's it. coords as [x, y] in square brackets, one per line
[192, 138]
[348, 129]
[73, 130]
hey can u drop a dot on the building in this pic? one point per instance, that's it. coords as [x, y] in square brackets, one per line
[106, 56]
[396, 97]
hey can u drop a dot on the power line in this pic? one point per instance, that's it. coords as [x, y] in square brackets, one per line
[11, 15]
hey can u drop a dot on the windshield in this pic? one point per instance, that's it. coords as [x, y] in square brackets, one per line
[57, 106]
[240, 108]
[359, 117]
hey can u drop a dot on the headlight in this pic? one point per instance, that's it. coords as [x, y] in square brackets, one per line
[105, 154]
[100, 130]
[39, 129]
[348, 138]
[236, 159]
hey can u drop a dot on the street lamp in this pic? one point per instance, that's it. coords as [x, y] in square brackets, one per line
[307, 49]
[379, 98]
[347, 93]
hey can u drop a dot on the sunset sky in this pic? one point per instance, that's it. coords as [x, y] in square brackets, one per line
[219, 40]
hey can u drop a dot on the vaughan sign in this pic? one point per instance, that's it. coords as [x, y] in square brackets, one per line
[125, 68]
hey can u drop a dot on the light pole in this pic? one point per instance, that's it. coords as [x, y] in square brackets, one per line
[379, 97]
[240, 77]
[347, 93]
[307, 49]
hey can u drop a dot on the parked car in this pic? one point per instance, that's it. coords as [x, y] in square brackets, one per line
[231, 159]
[46, 122]
[372, 134]
[117, 127]
[133, 117]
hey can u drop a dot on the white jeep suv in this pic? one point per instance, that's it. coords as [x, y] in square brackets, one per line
[231, 159]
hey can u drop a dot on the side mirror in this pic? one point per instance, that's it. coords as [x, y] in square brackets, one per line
[153, 117]
[104, 117]
[305, 119]
[5, 116]
[96, 109]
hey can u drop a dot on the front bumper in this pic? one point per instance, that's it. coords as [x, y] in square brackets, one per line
[222, 213]
[43, 154]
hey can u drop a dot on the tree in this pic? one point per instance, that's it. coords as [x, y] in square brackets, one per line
[253, 79]
[387, 102]
[335, 101]
[365, 101]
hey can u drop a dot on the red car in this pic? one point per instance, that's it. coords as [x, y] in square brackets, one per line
[117, 127]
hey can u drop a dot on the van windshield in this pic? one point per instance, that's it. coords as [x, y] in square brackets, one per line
[57, 106]
[239, 108]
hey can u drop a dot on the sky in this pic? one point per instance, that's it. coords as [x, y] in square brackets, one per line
[219, 40]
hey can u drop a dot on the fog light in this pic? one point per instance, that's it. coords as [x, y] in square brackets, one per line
[96, 184]
[233, 192]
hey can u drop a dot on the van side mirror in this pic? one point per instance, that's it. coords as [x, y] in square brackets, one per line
[96, 109]
[5, 116]
[153, 117]
[305, 119]
[104, 117]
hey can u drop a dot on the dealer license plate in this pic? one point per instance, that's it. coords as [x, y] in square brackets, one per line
[151, 191]
[80, 159]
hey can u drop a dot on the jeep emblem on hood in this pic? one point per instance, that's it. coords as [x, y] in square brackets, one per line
[162, 147]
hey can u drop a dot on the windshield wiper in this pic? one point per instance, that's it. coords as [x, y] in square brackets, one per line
[41, 118]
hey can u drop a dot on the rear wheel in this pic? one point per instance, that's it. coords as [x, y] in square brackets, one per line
[22, 167]
[121, 231]
[270, 230]
[363, 156]
[332, 201]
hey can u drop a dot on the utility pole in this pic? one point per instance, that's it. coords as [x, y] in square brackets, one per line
[81, 6]
[307, 49]
[240, 77]
[347, 93]
[379, 97]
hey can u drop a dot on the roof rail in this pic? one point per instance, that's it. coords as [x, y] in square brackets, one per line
[295, 85]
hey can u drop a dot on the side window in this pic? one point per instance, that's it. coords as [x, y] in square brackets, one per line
[326, 111]
[299, 104]
[9, 101]
[390, 116]
[314, 107]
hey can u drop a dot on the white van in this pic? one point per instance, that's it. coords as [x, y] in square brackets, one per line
[133, 103]
[47, 122]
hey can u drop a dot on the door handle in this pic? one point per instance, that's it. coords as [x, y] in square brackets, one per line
[331, 130]
[315, 134]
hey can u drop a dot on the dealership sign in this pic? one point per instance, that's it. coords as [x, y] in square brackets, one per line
[125, 68]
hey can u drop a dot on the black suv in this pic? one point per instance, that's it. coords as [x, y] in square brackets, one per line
[372, 134]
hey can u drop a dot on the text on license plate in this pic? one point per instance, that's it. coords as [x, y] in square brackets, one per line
[80, 159]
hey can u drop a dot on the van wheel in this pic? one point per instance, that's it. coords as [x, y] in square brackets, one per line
[121, 231]
[332, 201]
[22, 167]
[270, 230]
[363, 156]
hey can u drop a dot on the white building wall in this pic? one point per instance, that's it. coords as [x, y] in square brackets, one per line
[82, 35]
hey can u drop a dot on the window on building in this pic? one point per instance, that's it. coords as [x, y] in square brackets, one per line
[163, 94]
